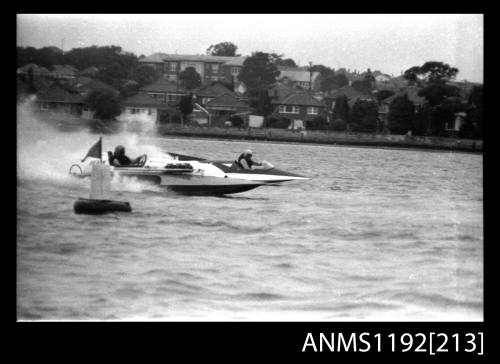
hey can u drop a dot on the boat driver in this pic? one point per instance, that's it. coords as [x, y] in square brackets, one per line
[245, 160]
[118, 158]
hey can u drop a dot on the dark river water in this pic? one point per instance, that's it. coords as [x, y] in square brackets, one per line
[376, 234]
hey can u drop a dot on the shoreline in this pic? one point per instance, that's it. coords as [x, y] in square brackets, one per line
[326, 138]
[311, 137]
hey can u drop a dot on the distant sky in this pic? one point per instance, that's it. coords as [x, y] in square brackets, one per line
[390, 43]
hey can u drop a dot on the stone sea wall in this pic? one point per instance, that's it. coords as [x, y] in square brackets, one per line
[325, 137]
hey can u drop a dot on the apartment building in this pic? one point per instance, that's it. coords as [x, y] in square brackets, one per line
[210, 68]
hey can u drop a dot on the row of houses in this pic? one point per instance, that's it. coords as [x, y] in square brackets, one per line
[295, 96]
[65, 72]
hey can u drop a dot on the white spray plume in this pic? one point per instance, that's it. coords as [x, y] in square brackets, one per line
[46, 153]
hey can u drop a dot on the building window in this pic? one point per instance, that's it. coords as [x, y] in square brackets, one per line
[157, 96]
[150, 112]
[312, 110]
[235, 71]
[173, 97]
[173, 67]
[288, 109]
[215, 68]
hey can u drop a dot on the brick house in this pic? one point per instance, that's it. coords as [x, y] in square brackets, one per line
[60, 101]
[141, 107]
[227, 104]
[350, 92]
[165, 91]
[210, 68]
[85, 85]
[299, 107]
[216, 103]
[205, 94]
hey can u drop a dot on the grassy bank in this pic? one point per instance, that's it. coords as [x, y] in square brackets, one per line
[325, 137]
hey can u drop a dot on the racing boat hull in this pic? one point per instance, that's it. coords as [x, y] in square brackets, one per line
[196, 176]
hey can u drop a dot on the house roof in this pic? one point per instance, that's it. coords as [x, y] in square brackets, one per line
[91, 71]
[299, 98]
[59, 94]
[34, 67]
[227, 100]
[279, 91]
[412, 92]
[163, 85]
[86, 84]
[142, 99]
[214, 90]
[62, 71]
[297, 74]
[162, 57]
[348, 91]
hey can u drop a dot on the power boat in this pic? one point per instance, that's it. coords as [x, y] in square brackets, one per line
[192, 175]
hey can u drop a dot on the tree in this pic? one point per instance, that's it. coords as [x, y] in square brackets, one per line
[287, 62]
[384, 94]
[340, 80]
[401, 115]
[341, 109]
[258, 71]
[422, 120]
[100, 57]
[31, 89]
[364, 116]
[318, 123]
[186, 106]
[113, 74]
[364, 86]
[473, 126]
[129, 88]
[226, 49]
[236, 121]
[431, 72]
[433, 77]
[261, 102]
[104, 103]
[436, 93]
[190, 77]
[49, 56]
[328, 79]
[338, 125]
[144, 75]
[26, 55]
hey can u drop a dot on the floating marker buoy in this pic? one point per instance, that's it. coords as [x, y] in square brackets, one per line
[92, 206]
[100, 185]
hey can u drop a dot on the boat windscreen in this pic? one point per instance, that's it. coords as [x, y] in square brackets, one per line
[183, 157]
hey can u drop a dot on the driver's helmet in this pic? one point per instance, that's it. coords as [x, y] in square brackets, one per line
[119, 150]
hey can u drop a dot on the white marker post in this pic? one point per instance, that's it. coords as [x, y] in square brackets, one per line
[100, 183]
[100, 187]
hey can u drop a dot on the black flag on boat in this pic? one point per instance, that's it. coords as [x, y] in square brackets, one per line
[95, 151]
